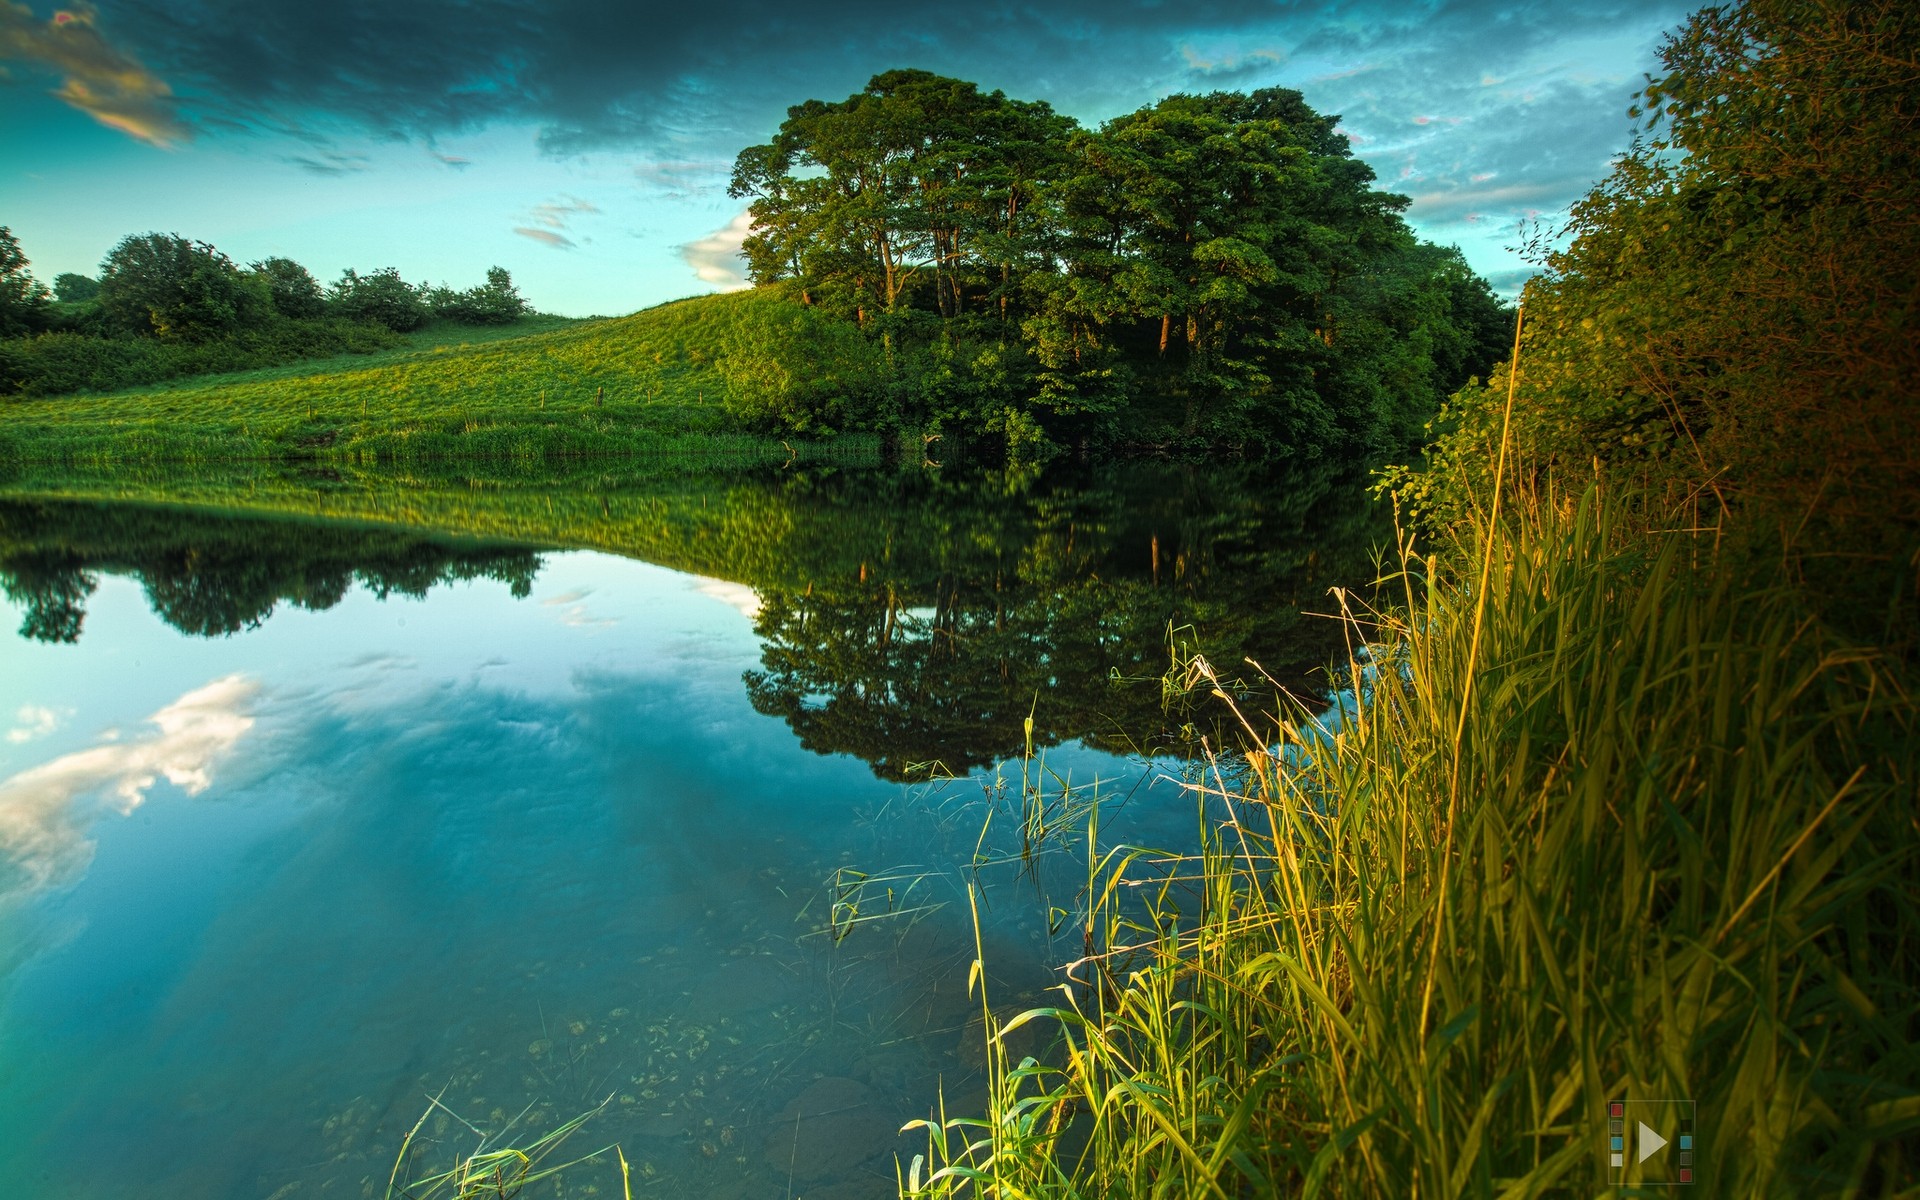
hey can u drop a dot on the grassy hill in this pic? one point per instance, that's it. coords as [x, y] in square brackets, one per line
[647, 384]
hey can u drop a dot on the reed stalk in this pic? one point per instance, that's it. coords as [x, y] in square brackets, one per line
[1680, 857]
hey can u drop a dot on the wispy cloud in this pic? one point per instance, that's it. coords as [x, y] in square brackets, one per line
[97, 77]
[545, 237]
[35, 722]
[715, 258]
[684, 178]
[573, 610]
[328, 162]
[453, 160]
[42, 828]
[549, 223]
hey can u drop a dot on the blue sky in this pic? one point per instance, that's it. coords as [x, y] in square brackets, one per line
[584, 145]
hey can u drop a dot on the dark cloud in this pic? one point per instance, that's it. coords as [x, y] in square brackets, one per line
[1518, 118]
[593, 73]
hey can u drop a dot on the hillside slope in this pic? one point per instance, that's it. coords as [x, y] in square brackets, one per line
[643, 384]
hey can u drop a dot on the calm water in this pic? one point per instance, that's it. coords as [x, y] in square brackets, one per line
[304, 822]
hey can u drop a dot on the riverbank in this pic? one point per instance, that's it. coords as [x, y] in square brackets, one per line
[650, 384]
[1638, 826]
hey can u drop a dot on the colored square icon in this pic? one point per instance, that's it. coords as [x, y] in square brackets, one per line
[1650, 1142]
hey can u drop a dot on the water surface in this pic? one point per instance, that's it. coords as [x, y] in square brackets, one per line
[305, 821]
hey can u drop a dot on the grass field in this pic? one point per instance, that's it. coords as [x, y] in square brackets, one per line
[540, 389]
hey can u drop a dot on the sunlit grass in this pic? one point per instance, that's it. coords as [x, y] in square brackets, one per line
[1679, 864]
[646, 383]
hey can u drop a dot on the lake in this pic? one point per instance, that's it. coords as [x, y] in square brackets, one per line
[332, 800]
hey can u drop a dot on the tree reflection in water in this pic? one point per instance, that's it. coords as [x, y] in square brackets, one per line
[212, 575]
[910, 618]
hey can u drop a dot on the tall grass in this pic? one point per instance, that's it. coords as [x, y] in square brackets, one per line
[1681, 853]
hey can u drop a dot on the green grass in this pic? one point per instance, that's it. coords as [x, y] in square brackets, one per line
[1640, 829]
[649, 383]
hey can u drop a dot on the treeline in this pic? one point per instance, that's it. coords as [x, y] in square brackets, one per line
[1210, 269]
[165, 306]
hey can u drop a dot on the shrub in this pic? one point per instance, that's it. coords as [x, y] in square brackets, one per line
[163, 285]
[380, 297]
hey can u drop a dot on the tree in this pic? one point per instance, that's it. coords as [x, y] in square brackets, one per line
[380, 297]
[1732, 318]
[163, 285]
[23, 299]
[69, 288]
[292, 289]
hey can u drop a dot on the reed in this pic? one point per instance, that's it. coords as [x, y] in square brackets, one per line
[499, 1166]
[1678, 861]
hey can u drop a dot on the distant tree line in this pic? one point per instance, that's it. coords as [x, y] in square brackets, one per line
[165, 305]
[1213, 269]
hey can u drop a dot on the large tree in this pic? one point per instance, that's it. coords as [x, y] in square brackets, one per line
[164, 285]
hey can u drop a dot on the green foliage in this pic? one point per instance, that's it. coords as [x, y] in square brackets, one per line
[787, 367]
[69, 288]
[163, 285]
[1617, 820]
[381, 298]
[497, 302]
[1733, 317]
[52, 364]
[1223, 252]
[23, 299]
[294, 291]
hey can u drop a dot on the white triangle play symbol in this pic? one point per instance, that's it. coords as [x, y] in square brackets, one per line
[1650, 1142]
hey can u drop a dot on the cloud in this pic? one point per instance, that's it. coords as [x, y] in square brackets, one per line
[685, 178]
[547, 223]
[453, 160]
[330, 163]
[1538, 94]
[558, 214]
[35, 722]
[715, 259]
[573, 611]
[546, 237]
[98, 78]
[737, 596]
[43, 840]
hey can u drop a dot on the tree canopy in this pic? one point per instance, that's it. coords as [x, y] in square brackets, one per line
[1212, 266]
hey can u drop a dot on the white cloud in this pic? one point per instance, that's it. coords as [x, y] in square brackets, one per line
[35, 722]
[734, 595]
[42, 827]
[715, 258]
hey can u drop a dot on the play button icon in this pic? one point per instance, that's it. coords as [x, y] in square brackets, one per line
[1650, 1142]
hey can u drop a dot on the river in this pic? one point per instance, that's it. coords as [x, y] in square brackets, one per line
[330, 801]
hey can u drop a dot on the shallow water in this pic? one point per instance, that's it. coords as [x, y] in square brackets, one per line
[525, 830]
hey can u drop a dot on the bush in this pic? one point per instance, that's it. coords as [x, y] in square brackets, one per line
[294, 292]
[799, 370]
[53, 364]
[163, 285]
[380, 297]
[497, 302]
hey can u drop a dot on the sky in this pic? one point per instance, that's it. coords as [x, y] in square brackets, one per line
[585, 144]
